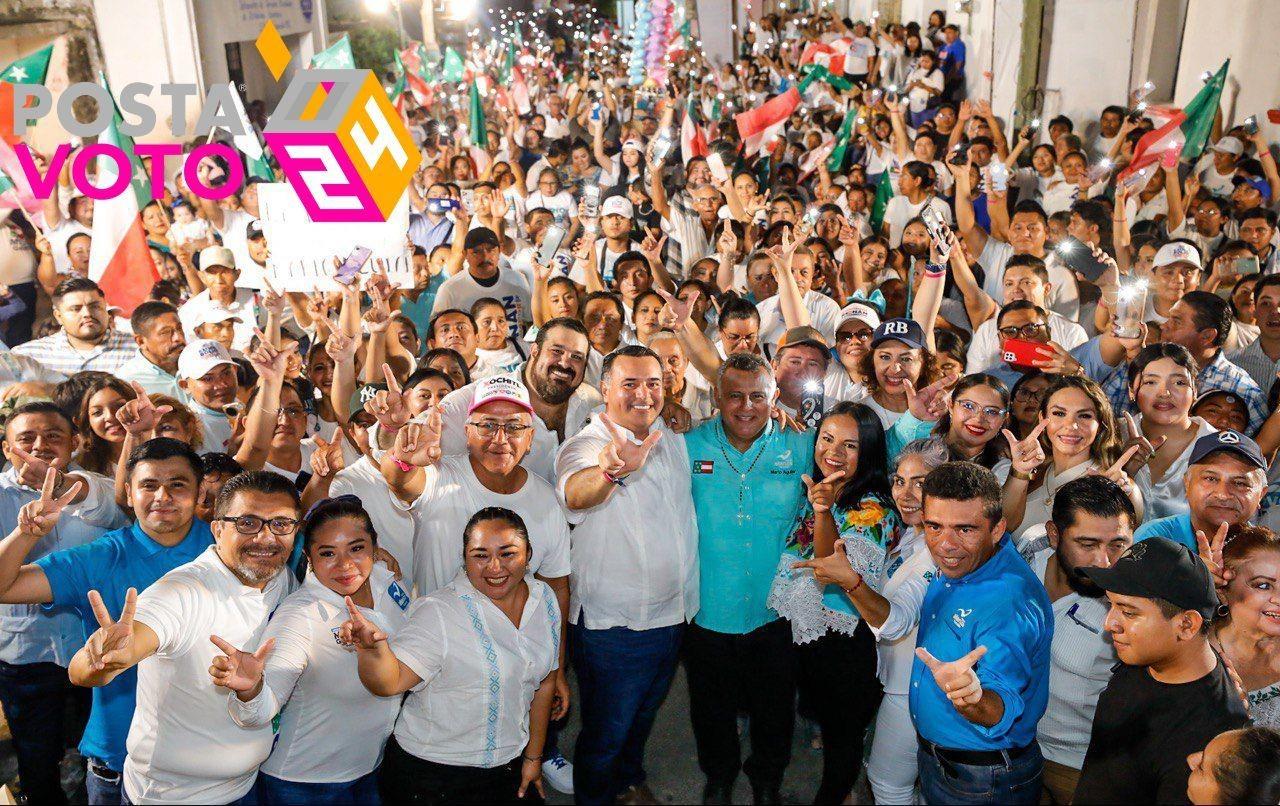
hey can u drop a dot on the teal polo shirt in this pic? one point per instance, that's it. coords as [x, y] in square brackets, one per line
[739, 544]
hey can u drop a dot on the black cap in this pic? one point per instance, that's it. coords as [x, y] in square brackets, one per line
[481, 236]
[1159, 568]
[253, 229]
[907, 331]
[1230, 441]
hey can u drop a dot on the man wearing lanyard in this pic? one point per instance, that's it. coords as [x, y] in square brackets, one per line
[980, 682]
[746, 473]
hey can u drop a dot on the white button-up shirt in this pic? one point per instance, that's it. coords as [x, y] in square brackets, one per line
[479, 673]
[635, 556]
[183, 747]
[824, 316]
[541, 458]
[34, 633]
[316, 676]
[391, 520]
[1080, 667]
[908, 573]
[1168, 496]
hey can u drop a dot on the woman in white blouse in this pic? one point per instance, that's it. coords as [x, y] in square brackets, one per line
[1162, 382]
[478, 657]
[314, 759]
[1079, 432]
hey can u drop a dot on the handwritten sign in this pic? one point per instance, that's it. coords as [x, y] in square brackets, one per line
[302, 251]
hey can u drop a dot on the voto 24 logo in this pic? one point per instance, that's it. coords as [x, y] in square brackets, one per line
[338, 140]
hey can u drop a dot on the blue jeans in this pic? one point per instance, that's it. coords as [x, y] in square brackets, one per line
[273, 791]
[1016, 781]
[101, 783]
[623, 677]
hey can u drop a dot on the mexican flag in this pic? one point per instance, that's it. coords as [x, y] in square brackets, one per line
[693, 140]
[412, 67]
[30, 69]
[15, 193]
[520, 92]
[475, 118]
[828, 56]
[836, 160]
[681, 42]
[119, 259]
[1178, 133]
[760, 126]
[255, 158]
[337, 56]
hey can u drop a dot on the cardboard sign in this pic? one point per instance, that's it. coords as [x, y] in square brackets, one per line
[302, 251]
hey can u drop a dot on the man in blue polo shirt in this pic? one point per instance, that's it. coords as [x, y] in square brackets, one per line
[747, 491]
[163, 483]
[980, 682]
[1225, 481]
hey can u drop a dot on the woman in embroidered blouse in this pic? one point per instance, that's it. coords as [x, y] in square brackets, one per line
[1162, 382]
[478, 658]
[848, 499]
[1079, 431]
[1249, 634]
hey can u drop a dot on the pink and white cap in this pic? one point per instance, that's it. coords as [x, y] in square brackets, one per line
[500, 387]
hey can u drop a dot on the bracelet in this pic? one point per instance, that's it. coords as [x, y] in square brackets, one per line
[612, 479]
[530, 758]
[1018, 474]
[404, 466]
[934, 270]
[855, 587]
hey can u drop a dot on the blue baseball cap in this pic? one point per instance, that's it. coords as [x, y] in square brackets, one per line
[907, 331]
[1231, 442]
[1256, 182]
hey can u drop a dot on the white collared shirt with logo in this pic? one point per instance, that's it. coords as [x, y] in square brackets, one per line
[635, 556]
[331, 728]
[479, 673]
[393, 523]
[183, 746]
[1080, 664]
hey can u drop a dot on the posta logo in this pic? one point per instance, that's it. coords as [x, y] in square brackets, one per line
[341, 145]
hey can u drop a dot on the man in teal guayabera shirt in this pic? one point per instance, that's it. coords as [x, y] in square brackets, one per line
[163, 483]
[747, 493]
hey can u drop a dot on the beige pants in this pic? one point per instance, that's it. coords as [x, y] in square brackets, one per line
[1059, 784]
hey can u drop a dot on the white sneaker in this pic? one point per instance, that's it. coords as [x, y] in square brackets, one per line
[558, 772]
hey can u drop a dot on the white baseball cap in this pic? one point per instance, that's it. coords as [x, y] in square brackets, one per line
[1177, 252]
[618, 205]
[634, 144]
[217, 256]
[862, 312]
[201, 356]
[212, 314]
[1229, 145]
[500, 387]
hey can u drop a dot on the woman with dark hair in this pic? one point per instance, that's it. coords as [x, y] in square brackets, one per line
[1247, 632]
[450, 362]
[937, 21]
[1237, 767]
[97, 424]
[329, 743]
[971, 427]
[1024, 399]
[1162, 385]
[849, 499]
[891, 365]
[478, 659]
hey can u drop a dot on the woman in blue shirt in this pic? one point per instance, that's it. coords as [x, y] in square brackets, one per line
[848, 498]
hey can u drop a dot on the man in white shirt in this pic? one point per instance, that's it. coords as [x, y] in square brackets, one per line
[1091, 525]
[824, 312]
[915, 193]
[485, 277]
[79, 221]
[233, 225]
[1261, 359]
[183, 746]
[1025, 277]
[220, 274]
[625, 481]
[207, 375]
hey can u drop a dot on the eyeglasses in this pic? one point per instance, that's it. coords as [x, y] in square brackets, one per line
[291, 411]
[490, 429]
[1029, 395]
[1173, 271]
[1027, 331]
[987, 411]
[252, 524]
[846, 335]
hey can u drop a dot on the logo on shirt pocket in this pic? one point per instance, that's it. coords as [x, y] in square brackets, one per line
[958, 617]
[398, 595]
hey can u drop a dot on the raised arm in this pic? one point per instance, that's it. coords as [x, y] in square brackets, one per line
[417, 446]
[974, 236]
[116, 645]
[26, 583]
[269, 363]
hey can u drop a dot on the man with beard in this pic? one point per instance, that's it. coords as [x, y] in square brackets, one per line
[484, 277]
[214, 605]
[561, 402]
[158, 334]
[164, 477]
[1092, 525]
[85, 340]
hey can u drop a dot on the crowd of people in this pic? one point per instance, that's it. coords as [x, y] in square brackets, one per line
[951, 442]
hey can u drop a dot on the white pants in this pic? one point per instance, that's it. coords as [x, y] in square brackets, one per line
[892, 769]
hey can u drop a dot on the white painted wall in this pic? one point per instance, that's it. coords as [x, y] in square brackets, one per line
[1242, 30]
[1090, 48]
[714, 19]
[222, 21]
